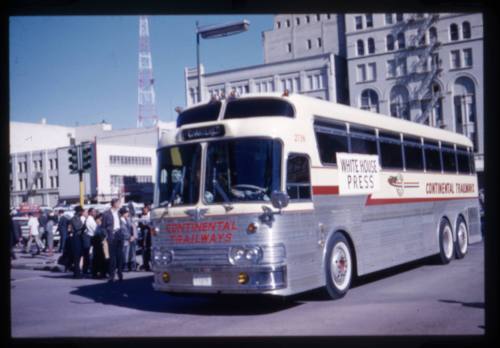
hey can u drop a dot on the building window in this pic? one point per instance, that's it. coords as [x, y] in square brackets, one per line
[369, 20]
[56, 181]
[453, 32]
[390, 42]
[20, 167]
[467, 57]
[51, 182]
[465, 108]
[361, 48]
[288, 23]
[20, 184]
[455, 59]
[372, 72]
[399, 17]
[432, 35]
[369, 100]
[401, 67]
[361, 73]
[278, 24]
[401, 41]
[309, 44]
[297, 20]
[328, 16]
[388, 18]
[318, 17]
[466, 30]
[371, 45]
[308, 19]
[319, 79]
[358, 22]
[289, 47]
[400, 106]
[320, 42]
[391, 68]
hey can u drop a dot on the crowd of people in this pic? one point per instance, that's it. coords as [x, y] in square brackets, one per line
[93, 244]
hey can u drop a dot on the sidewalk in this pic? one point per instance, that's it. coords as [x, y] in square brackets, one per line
[41, 262]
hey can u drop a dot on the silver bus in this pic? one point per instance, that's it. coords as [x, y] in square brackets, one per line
[280, 194]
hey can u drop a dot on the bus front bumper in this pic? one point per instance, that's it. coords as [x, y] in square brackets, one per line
[235, 280]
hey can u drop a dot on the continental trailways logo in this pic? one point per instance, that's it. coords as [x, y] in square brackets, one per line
[400, 185]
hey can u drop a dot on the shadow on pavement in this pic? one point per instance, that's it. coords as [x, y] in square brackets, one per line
[466, 304]
[137, 293]
[321, 294]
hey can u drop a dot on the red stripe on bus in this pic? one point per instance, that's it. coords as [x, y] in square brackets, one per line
[325, 190]
[378, 201]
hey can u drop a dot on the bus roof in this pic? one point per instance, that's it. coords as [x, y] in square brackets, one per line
[310, 107]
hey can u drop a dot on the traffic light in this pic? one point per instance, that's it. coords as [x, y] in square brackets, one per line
[86, 157]
[73, 160]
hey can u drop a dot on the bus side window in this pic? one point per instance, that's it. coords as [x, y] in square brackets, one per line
[463, 160]
[472, 162]
[449, 160]
[363, 140]
[331, 138]
[414, 157]
[298, 178]
[432, 158]
[390, 150]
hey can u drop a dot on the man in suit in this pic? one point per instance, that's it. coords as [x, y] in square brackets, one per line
[111, 224]
[77, 226]
[62, 227]
[15, 235]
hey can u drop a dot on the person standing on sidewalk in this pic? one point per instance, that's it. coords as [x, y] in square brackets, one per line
[126, 229]
[77, 227]
[114, 237]
[49, 227]
[34, 235]
[62, 227]
[144, 225]
[88, 234]
[99, 268]
[14, 237]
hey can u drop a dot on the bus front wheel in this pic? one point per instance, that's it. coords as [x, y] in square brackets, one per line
[445, 242]
[462, 241]
[338, 266]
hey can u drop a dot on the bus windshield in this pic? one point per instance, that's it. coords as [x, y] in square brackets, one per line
[242, 170]
[178, 175]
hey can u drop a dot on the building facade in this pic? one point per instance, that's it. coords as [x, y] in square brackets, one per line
[123, 164]
[302, 53]
[426, 68]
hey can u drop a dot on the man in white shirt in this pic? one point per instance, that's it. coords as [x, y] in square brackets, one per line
[34, 235]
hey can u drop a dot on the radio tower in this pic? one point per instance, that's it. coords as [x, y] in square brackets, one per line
[146, 89]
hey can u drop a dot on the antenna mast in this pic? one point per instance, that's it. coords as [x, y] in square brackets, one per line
[146, 91]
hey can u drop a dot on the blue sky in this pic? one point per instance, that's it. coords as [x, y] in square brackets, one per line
[83, 69]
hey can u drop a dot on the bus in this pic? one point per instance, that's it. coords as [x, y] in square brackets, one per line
[280, 194]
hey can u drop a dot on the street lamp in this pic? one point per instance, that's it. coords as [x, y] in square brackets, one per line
[213, 32]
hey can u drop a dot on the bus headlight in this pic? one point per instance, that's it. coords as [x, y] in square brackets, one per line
[162, 257]
[245, 255]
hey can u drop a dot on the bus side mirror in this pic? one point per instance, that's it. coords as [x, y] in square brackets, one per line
[279, 200]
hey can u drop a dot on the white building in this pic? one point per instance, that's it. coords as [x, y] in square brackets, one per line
[124, 162]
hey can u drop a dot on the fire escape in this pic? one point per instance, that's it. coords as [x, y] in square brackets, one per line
[423, 70]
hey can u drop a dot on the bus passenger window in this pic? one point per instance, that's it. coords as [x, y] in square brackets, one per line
[463, 160]
[298, 179]
[413, 153]
[432, 157]
[331, 138]
[472, 162]
[363, 140]
[390, 150]
[449, 161]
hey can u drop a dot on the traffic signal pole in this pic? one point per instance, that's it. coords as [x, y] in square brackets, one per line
[82, 187]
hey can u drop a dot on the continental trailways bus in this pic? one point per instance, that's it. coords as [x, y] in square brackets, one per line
[282, 194]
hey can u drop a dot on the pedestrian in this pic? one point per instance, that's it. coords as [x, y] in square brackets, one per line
[99, 268]
[88, 233]
[34, 234]
[130, 256]
[126, 228]
[114, 238]
[145, 228]
[77, 227]
[62, 227]
[49, 228]
[14, 236]
[42, 223]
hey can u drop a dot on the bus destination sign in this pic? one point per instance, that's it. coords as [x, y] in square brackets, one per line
[203, 132]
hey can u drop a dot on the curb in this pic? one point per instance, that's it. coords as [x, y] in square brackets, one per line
[53, 267]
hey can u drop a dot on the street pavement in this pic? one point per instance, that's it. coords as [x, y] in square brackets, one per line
[421, 298]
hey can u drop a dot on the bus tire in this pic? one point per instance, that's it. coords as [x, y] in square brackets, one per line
[462, 240]
[338, 266]
[445, 242]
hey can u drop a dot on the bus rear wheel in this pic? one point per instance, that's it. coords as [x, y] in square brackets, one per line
[338, 266]
[462, 241]
[445, 242]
